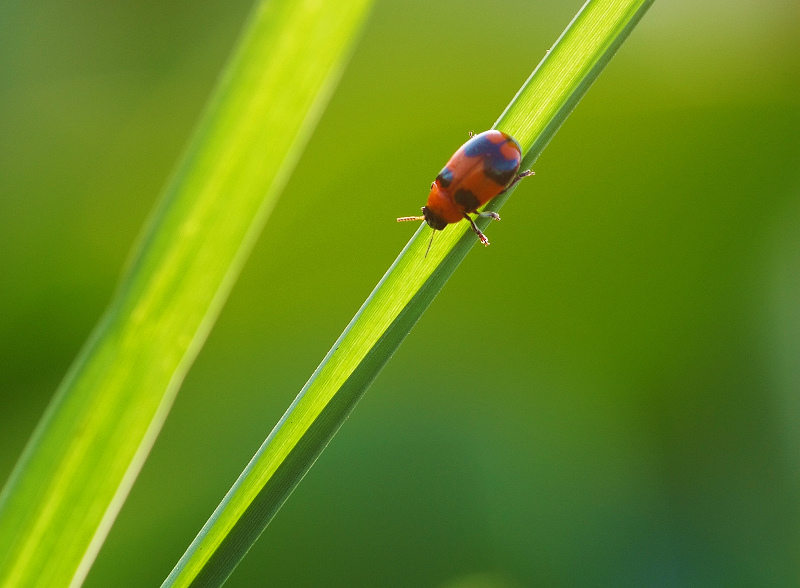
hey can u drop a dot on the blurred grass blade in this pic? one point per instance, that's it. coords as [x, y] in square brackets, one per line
[533, 117]
[76, 471]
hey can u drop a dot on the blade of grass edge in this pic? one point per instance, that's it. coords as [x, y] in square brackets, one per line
[73, 476]
[394, 306]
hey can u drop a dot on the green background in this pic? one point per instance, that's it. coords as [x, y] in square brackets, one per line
[608, 395]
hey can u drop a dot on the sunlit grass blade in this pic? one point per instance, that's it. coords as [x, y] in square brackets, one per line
[76, 471]
[533, 117]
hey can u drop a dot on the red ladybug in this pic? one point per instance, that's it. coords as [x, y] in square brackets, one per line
[482, 168]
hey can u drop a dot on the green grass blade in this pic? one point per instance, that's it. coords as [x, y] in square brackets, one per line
[394, 307]
[76, 471]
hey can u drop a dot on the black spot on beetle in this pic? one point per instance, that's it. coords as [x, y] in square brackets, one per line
[479, 145]
[495, 165]
[502, 171]
[444, 178]
[467, 200]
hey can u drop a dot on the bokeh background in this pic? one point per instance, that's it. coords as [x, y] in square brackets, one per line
[609, 395]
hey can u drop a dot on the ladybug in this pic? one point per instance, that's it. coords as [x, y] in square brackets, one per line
[482, 168]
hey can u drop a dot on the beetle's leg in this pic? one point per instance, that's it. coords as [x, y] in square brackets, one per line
[513, 183]
[471, 134]
[489, 214]
[475, 228]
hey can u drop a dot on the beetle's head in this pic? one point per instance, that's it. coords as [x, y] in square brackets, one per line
[435, 222]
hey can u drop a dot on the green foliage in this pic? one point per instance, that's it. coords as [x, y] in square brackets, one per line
[76, 471]
[394, 307]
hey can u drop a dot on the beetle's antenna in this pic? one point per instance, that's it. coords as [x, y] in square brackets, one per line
[433, 232]
[410, 218]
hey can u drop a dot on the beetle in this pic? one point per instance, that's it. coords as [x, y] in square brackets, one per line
[482, 168]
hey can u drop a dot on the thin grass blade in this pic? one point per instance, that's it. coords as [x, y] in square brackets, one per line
[76, 471]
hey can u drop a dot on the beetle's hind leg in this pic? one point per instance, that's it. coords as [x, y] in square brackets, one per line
[478, 232]
[489, 214]
[513, 183]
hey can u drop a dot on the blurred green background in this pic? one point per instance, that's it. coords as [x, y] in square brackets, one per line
[608, 395]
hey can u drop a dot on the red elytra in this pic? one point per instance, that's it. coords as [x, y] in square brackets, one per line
[482, 168]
